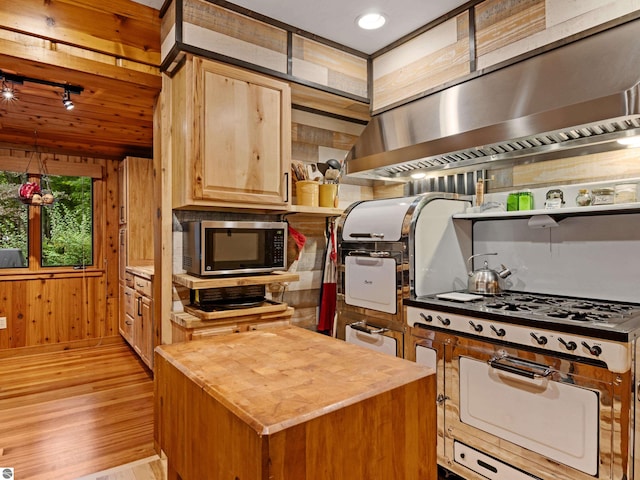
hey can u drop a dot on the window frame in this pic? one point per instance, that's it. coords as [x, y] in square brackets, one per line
[51, 166]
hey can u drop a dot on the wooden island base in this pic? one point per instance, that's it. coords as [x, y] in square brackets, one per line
[291, 404]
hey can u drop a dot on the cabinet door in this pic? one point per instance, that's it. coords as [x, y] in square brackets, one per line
[122, 254]
[143, 329]
[122, 176]
[126, 309]
[242, 135]
[139, 209]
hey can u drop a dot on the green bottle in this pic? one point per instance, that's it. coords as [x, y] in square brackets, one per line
[525, 200]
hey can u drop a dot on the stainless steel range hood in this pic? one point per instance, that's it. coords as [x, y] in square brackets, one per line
[576, 98]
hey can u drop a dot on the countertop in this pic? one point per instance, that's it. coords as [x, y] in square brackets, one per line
[144, 271]
[277, 378]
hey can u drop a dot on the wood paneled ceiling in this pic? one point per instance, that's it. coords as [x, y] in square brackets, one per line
[110, 49]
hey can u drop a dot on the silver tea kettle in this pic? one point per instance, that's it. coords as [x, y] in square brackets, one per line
[486, 281]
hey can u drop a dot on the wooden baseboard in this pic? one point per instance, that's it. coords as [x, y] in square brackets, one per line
[60, 347]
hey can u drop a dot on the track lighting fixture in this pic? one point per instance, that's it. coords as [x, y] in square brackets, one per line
[8, 91]
[9, 80]
[66, 100]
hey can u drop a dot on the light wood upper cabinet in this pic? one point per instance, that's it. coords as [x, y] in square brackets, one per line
[231, 142]
[137, 209]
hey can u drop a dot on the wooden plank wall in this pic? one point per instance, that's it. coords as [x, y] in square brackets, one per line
[328, 66]
[509, 28]
[62, 306]
[605, 166]
[316, 138]
[504, 29]
[215, 30]
[433, 58]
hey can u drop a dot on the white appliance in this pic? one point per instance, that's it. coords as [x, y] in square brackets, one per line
[541, 380]
[386, 249]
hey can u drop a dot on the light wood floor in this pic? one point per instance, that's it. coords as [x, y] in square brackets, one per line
[83, 414]
[65, 415]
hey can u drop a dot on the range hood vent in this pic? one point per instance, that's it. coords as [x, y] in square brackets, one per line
[575, 99]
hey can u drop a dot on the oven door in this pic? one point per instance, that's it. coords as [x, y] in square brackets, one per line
[553, 418]
[370, 281]
[375, 338]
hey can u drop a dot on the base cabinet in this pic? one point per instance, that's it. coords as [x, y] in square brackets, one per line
[137, 325]
[291, 404]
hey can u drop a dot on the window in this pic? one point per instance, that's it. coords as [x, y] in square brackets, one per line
[56, 235]
[67, 225]
[14, 223]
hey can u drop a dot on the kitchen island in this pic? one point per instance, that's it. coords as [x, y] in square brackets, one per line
[291, 404]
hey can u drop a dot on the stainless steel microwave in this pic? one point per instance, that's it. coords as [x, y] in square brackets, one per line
[234, 248]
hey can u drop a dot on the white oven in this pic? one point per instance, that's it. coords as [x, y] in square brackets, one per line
[508, 411]
[377, 263]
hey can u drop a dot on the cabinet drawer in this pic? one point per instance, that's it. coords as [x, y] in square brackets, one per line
[129, 302]
[267, 325]
[202, 333]
[129, 279]
[143, 286]
[126, 328]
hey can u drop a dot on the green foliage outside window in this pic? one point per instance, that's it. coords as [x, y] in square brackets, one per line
[14, 216]
[66, 225]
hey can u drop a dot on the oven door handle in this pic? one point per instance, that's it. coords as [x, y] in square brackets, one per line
[367, 235]
[362, 327]
[368, 254]
[520, 367]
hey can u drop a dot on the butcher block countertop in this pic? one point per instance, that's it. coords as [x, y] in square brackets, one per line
[297, 397]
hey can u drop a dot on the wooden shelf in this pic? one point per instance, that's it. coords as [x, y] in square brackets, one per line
[321, 211]
[197, 283]
[557, 212]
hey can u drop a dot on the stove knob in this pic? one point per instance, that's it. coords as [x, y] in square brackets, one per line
[568, 345]
[477, 328]
[426, 318]
[498, 331]
[540, 339]
[444, 321]
[595, 350]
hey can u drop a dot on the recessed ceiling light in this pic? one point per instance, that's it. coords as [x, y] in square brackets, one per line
[371, 21]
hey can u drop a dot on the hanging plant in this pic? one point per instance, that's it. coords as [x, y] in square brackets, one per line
[30, 193]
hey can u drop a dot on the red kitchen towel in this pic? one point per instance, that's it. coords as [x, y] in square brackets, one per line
[328, 291]
[299, 238]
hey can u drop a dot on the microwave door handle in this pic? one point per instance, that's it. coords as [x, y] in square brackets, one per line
[520, 367]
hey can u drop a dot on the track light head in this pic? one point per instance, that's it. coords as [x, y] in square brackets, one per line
[66, 100]
[8, 92]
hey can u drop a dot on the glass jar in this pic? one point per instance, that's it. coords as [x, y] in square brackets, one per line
[602, 196]
[512, 202]
[625, 193]
[584, 198]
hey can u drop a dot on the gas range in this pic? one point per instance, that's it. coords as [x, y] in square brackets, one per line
[595, 330]
[608, 319]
